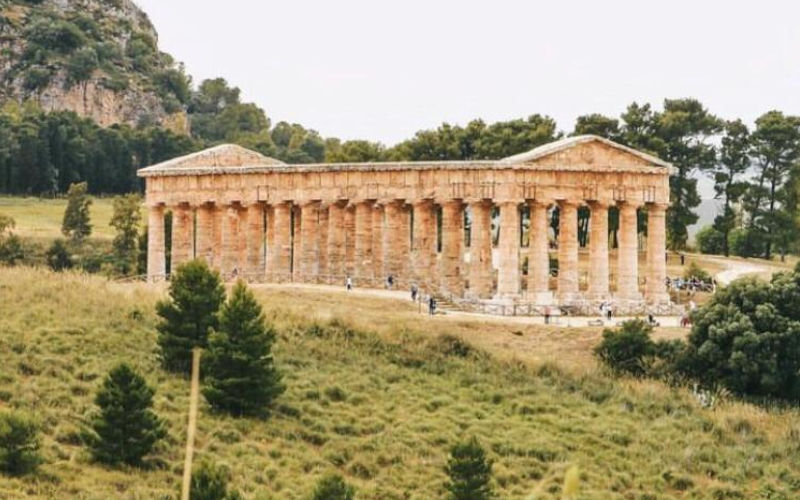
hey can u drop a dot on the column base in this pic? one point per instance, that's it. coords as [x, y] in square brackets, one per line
[565, 298]
[657, 298]
[541, 298]
[629, 297]
[598, 296]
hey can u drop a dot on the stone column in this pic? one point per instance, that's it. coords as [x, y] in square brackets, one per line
[204, 239]
[336, 243]
[377, 242]
[628, 256]
[230, 242]
[568, 251]
[217, 215]
[656, 291]
[363, 243]
[423, 254]
[350, 240]
[508, 268]
[397, 241]
[598, 251]
[539, 255]
[480, 250]
[322, 245]
[297, 240]
[182, 236]
[452, 247]
[254, 269]
[269, 238]
[309, 212]
[156, 259]
[282, 242]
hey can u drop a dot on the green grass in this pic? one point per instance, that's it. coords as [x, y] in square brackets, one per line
[40, 218]
[381, 405]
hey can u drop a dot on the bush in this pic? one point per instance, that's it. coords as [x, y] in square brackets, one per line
[58, 257]
[333, 487]
[76, 223]
[210, 482]
[746, 242]
[747, 338]
[693, 270]
[19, 444]
[196, 294]
[12, 250]
[241, 377]
[126, 429]
[709, 240]
[469, 472]
[627, 349]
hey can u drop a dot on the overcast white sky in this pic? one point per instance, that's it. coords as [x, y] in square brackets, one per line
[382, 70]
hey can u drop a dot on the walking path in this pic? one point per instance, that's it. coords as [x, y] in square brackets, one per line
[735, 269]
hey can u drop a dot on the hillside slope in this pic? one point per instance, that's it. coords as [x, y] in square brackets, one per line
[98, 58]
[380, 404]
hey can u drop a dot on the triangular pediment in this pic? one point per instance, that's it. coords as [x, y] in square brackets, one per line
[589, 151]
[222, 156]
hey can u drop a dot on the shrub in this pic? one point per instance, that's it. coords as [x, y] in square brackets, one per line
[469, 472]
[76, 216]
[710, 240]
[693, 270]
[626, 349]
[333, 487]
[241, 377]
[19, 444]
[746, 242]
[126, 429]
[58, 257]
[196, 294]
[747, 338]
[210, 482]
[12, 250]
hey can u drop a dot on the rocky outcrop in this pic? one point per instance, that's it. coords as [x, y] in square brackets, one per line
[116, 37]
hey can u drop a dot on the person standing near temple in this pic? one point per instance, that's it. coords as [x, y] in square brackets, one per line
[348, 283]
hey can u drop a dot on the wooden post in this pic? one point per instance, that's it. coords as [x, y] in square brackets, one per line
[187, 464]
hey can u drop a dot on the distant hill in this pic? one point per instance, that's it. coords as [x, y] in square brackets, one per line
[98, 58]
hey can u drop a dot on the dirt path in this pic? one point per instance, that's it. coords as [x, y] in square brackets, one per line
[735, 269]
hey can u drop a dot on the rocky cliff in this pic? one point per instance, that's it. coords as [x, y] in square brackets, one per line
[98, 58]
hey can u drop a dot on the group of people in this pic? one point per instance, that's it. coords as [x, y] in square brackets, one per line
[430, 300]
[692, 285]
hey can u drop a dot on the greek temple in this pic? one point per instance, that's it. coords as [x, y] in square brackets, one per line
[476, 231]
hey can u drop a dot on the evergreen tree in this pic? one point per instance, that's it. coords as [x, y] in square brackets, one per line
[126, 429]
[58, 257]
[210, 482]
[126, 220]
[196, 294]
[470, 472]
[76, 217]
[734, 161]
[333, 487]
[240, 374]
[19, 444]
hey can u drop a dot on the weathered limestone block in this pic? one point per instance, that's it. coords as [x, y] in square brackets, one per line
[568, 251]
[336, 242]
[452, 247]
[423, 254]
[508, 283]
[182, 236]
[480, 251]
[628, 257]
[656, 291]
[598, 251]
[539, 255]
[156, 258]
[255, 242]
[205, 233]
[309, 213]
[350, 240]
[231, 242]
[282, 241]
[398, 244]
[322, 245]
[377, 242]
[363, 242]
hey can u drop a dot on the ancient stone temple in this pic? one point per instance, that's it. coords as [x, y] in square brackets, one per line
[504, 231]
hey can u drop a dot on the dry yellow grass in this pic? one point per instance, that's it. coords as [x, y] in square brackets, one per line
[40, 218]
[377, 393]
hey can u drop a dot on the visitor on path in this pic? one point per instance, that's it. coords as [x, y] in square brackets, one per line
[608, 312]
[390, 282]
[414, 291]
[547, 313]
[348, 283]
[431, 305]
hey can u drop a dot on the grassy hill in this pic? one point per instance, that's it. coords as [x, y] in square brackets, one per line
[379, 392]
[40, 219]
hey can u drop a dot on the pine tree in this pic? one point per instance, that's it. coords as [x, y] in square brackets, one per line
[210, 482]
[19, 444]
[196, 294]
[240, 374]
[126, 428]
[58, 257]
[470, 472]
[76, 217]
[126, 220]
[333, 487]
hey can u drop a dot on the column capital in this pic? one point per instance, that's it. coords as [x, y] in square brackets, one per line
[657, 207]
[540, 201]
[569, 203]
[600, 204]
[635, 204]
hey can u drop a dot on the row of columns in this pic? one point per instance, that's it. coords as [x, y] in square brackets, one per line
[369, 241]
